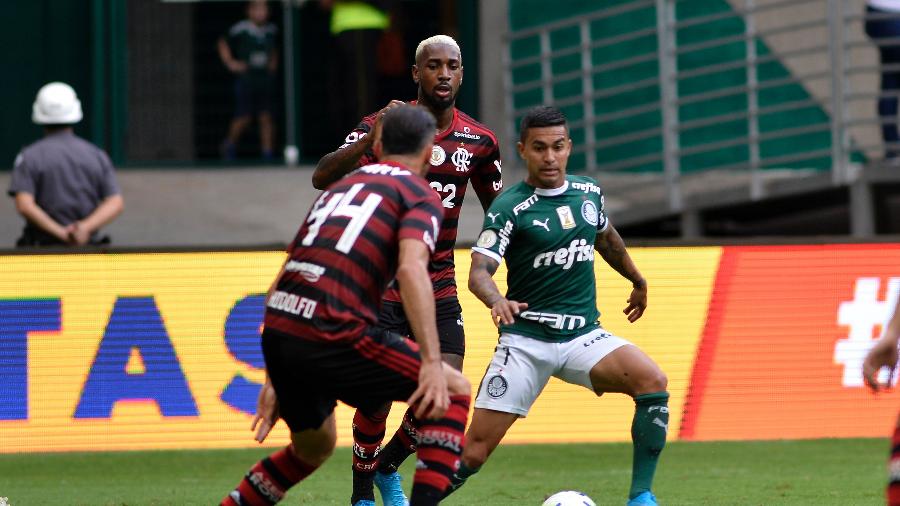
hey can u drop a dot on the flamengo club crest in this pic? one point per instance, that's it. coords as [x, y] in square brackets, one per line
[461, 159]
[438, 155]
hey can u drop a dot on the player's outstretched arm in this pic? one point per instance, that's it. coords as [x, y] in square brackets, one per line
[884, 353]
[431, 399]
[481, 283]
[342, 161]
[612, 248]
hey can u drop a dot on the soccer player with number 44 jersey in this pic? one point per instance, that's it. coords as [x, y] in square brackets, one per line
[464, 151]
[547, 229]
[320, 342]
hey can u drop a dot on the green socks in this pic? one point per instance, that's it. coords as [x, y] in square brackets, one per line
[648, 434]
[459, 478]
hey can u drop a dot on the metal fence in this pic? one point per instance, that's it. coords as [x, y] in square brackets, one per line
[685, 88]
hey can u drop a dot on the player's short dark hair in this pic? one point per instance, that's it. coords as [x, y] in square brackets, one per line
[406, 129]
[541, 116]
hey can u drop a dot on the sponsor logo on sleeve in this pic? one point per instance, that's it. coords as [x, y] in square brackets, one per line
[351, 138]
[505, 237]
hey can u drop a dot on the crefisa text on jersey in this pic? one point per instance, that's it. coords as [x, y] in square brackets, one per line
[579, 250]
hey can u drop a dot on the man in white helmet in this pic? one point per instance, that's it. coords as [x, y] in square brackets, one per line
[64, 186]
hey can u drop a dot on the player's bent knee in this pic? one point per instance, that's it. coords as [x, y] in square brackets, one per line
[657, 381]
[457, 384]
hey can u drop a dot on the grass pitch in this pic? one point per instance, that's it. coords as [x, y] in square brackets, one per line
[841, 472]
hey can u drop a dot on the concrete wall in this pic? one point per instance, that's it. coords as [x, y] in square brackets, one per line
[246, 206]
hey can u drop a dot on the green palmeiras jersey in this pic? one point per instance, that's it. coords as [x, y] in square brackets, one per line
[547, 238]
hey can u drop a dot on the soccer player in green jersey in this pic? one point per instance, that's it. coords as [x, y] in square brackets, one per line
[547, 228]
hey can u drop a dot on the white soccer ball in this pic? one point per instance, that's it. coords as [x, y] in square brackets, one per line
[569, 498]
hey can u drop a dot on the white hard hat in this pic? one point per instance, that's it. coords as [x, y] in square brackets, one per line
[56, 104]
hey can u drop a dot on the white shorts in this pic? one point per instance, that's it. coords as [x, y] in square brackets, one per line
[522, 366]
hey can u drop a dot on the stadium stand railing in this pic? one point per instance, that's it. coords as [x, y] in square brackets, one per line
[681, 98]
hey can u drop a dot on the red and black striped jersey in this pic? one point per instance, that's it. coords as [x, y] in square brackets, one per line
[467, 151]
[345, 253]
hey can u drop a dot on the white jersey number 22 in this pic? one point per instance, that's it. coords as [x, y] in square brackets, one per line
[449, 189]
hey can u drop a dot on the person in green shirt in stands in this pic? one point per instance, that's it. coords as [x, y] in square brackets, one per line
[249, 51]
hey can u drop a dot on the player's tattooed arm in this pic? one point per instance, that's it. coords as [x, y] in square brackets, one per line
[481, 283]
[612, 248]
[340, 162]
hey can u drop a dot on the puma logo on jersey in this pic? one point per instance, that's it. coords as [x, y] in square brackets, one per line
[493, 216]
[545, 223]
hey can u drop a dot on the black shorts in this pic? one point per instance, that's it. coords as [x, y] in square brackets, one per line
[450, 328]
[311, 376]
[252, 97]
